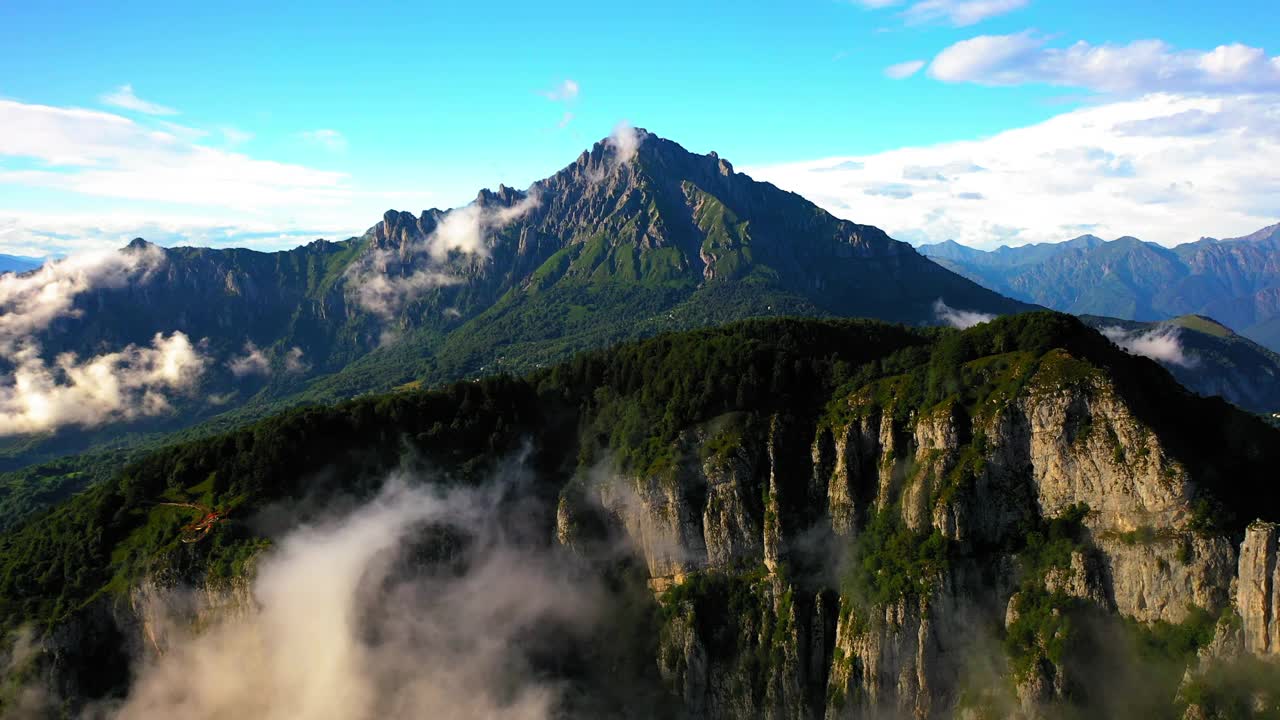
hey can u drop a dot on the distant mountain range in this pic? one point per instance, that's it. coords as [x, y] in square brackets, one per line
[1235, 281]
[635, 237]
[1203, 355]
[18, 263]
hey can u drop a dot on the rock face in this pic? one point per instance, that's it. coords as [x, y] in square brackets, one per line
[1063, 442]
[1258, 593]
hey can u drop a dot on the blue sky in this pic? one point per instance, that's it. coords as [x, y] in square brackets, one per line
[333, 112]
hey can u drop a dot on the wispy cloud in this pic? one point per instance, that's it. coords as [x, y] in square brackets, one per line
[452, 639]
[99, 153]
[904, 69]
[326, 138]
[252, 361]
[385, 282]
[957, 13]
[1162, 344]
[1142, 66]
[961, 319]
[565, 95]
[960, 13]
[566, 91]
[1112, 167]
[124, 97]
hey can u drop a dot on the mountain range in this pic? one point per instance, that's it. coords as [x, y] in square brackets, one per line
[636, 236]
[18, 263]
[1234, 281]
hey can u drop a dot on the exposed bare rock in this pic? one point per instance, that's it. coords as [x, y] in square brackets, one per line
[1258, 593]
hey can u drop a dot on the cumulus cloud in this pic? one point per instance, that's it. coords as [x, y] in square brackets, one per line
[1096, 167]
[124, 97]
[346, 622]
[904, 69]
[1139, 67]
[961, 319]
[326, 138]
[252, 362]
[125, 385]
[1162, 344]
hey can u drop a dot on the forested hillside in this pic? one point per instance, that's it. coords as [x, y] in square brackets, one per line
[803, 517]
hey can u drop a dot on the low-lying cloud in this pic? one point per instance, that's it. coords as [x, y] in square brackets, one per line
[1162, 344]
[254, 361]
[30, 302]
[39, 394]
[132, 383]
[961, 319]
[625, 142]
[348, 622]
[385, 281]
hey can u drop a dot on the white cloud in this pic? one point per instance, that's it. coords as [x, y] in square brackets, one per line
[1112, 167]
[124, 97]
[1140, 67]
[1162, 344]
[338, 626]
[326, 138]
[566, 91]
[252, 362]
[904, 69]
[134, 382]
[106, 155]
[960, 13]
[625, 141]
[386, 294]
[293, 362]
[385, 282]
[30, 302]
[39, 396]
[961, 319]
[467, 229]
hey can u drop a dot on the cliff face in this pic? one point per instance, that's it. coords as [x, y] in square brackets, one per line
[1258, 599]
[775, 514]
[795, 519]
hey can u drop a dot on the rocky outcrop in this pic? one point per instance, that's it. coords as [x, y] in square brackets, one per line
[1258, 592]
[977, 479]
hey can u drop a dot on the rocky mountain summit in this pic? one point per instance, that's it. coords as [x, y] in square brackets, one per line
[636, 236]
